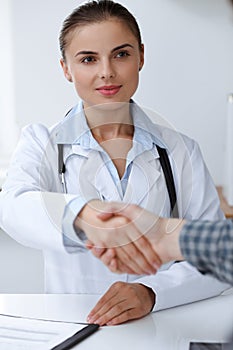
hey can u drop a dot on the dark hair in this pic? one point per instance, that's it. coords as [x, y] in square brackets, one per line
[94, 12]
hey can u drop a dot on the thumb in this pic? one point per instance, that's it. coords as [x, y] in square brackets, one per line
[112, 209]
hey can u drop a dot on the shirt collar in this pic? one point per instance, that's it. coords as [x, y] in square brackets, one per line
[73, 126]
[146, 132]
[74, 130]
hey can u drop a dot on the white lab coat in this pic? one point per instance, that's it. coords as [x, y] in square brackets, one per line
[32, 205]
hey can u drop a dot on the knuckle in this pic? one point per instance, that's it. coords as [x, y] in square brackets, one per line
[104, 260]
[127, 315]
[130, 289]
[114, 270]
[118, 309]
[127, 259]
[121, 221]
[117, 285]
[143, 242]
[134, 253]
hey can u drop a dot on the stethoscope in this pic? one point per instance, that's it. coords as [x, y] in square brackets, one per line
[61, 167]
[61, 164]
[164, 160]
[164, 163]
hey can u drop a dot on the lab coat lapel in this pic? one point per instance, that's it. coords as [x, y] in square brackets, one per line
[143, 178]
[96, 179]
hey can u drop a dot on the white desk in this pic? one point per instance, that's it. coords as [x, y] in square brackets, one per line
[172, 329]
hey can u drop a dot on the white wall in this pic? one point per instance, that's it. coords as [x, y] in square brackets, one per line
[7, 105]
[187, 75]
[21, 268]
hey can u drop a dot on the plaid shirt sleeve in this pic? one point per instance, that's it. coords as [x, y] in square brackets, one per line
[208, 245]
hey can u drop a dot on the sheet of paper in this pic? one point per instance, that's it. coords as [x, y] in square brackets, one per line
[20, 333]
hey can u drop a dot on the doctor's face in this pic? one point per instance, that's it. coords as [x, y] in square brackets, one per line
[103, 61]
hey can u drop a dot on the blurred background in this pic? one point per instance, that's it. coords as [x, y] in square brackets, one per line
[187, 77]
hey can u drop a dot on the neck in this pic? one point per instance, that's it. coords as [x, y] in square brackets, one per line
[108, 121]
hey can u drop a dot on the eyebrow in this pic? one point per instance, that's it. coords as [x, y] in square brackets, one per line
[88, 52]
[121, 47]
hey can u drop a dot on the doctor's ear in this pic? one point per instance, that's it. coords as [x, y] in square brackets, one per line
[66, 70]
[140, 66]
[141, 62]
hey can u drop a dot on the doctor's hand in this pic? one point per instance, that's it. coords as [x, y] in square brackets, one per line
[122, 302]
[111, 231]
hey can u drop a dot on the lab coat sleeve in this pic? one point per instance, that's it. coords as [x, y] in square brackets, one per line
[31, 207]
[73, 241]
[181, 284]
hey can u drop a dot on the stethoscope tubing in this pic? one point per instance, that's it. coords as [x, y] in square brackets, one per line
[61, 167]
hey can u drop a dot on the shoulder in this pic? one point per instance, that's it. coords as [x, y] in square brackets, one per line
[173, 140]
[160, 130]
[38, 133]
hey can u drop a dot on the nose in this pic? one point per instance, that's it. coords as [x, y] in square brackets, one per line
[106, 70]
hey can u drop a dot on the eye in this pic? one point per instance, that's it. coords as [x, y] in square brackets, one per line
[122, 54]
[88, 59]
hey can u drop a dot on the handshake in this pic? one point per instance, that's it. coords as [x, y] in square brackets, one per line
[128, 238]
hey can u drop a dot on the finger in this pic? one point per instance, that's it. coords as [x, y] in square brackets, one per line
[123, 301]
[99, 252]
[125, 316]
[89, 244]
[125, 258]
[148, 254]
[131, 256]
[139, 299]
[118, 313]
[111, 292]
[121, 307]
[105, 216]
[105, 255]
[131, 211]
[147, 259]
[110, 210]
[136, 258]
[117, 266]
[108, 257]
[112, 306]
[113, 265]
[130, 253]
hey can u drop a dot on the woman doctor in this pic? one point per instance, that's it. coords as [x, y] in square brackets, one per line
[108, 151]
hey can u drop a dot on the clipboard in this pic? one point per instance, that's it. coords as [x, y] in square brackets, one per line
[77, 337]
[20, 332]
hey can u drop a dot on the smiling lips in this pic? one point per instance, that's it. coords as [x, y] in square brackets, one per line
[109, 90]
